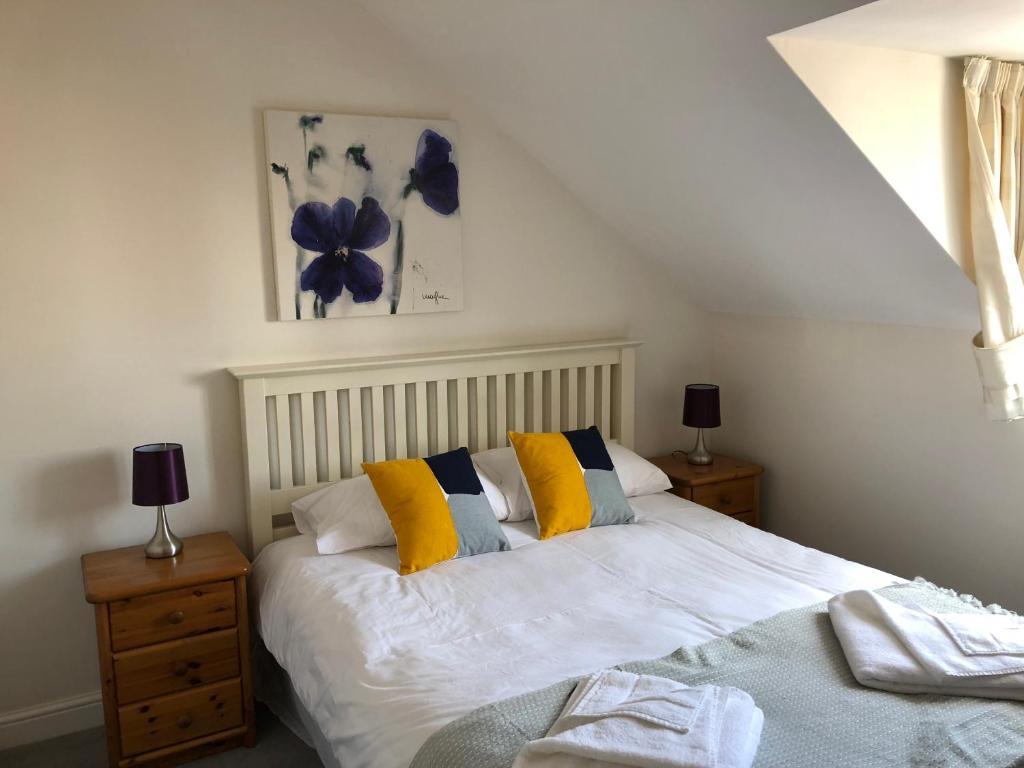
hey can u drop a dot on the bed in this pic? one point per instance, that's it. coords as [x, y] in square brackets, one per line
[376, 662]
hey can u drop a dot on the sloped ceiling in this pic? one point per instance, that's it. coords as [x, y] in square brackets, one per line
[890, 73]
[677, 122]
[905, 111]
[952, 28]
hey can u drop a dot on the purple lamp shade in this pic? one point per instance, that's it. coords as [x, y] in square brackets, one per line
[700, 406]
[158, 475]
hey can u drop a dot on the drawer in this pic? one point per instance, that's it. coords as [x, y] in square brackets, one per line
[729, 497]
[170, 615]
[178, 665]
[157, 723]
[745, 517]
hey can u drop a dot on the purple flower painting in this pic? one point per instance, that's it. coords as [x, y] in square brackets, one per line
[365, 215]
[340, 234]
[435, 175]
[436, 178]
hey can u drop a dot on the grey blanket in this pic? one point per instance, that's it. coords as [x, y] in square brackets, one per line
[816, 714]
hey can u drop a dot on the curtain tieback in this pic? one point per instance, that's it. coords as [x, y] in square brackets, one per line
[1002, 377]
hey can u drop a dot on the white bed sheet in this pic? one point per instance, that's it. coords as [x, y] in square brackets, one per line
[381, 661]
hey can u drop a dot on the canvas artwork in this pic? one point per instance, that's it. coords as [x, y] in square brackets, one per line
[365, 215]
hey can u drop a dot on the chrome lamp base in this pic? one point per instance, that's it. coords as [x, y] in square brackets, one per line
[164, 543]
[700, 455]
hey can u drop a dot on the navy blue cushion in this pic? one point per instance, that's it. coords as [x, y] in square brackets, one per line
[589, 448]
[455, 472]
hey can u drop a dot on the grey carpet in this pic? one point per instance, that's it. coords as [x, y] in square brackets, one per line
[275, 746]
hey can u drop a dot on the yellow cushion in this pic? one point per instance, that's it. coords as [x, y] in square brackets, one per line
[555, 480]
[410, 494]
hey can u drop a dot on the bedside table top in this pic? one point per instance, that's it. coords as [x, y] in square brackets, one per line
[723, 468]
[121, 573]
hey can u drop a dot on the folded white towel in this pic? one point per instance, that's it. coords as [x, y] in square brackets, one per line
[618, 718]
[986, 634]
[911, 650]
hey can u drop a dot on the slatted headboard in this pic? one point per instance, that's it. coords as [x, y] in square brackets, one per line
[305, 425]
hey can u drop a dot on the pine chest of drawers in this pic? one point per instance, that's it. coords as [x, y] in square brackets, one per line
[173, 639]
[728, 485]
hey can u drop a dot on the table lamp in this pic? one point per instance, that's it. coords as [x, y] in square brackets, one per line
[158, 478]
[701, 410]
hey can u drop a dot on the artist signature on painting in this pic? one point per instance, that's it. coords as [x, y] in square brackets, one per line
[437, 297]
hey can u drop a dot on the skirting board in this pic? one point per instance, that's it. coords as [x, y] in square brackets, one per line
[54, 718]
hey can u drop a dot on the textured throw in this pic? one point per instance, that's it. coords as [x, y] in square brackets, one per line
[816, 714]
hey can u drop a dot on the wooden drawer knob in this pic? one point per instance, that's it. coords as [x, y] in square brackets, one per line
[180, 669]
[727, 499]
[177, 617]
[184, 721]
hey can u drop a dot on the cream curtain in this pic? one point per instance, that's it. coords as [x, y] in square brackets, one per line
[993, 91]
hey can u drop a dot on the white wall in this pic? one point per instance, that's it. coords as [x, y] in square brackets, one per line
[876, 447]
[135, 267]
[682, 127]
[905, 111]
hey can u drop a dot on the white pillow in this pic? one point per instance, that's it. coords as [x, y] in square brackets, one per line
[301, 507]
[348, 515]
[494, 496]
[501, 467]
[637, 475]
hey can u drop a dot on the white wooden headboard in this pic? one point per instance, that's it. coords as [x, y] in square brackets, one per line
[305, 425]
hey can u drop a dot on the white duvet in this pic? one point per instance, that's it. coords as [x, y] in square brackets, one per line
[381, 661]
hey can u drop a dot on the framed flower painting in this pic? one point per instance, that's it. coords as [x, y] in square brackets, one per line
[365, 215]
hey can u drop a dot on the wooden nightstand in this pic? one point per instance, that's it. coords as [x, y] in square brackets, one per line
[173, 638]
[728, 485]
